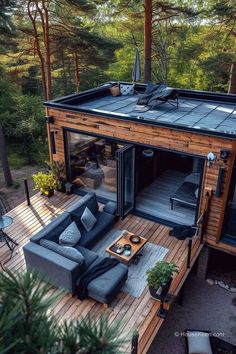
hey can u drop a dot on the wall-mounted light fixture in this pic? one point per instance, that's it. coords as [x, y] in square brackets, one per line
[148, 153]
[220, 182]
[211, 158]
[52, 143]
[224, 154]
[49, 120]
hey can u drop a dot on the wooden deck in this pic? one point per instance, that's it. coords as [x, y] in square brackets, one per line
[136, 313]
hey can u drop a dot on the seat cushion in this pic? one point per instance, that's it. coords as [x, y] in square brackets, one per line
[69, 252]
[89, 256]
[70, 236]
[103, 224]
[88, 220]
[198, 342]
[105, 287]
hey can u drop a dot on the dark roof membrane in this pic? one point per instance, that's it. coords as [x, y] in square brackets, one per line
[201, 112]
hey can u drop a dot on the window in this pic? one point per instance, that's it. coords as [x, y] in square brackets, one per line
[92, 164]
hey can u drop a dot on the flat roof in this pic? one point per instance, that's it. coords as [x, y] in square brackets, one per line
[201, 112]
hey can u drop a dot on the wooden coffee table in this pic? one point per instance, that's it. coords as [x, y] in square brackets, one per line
[135, 248]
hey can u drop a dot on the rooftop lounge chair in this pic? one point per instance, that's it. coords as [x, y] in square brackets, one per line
[155, 95]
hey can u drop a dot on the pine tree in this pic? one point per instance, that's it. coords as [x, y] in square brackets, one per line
[6, 38]
[28, 326]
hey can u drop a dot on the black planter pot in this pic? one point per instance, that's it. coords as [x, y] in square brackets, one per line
[50, 193]
[62, 187]
[160, 294]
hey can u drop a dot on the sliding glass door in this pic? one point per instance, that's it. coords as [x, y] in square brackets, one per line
[125, 180]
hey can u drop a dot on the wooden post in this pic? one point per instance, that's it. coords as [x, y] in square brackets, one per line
[147, 40]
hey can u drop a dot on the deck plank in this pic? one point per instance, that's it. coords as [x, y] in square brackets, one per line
[136, 313]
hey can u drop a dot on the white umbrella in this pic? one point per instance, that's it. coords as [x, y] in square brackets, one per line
[136, 73]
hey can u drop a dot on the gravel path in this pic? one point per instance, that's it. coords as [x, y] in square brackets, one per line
[205, 307]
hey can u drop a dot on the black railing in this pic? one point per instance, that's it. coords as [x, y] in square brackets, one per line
[134, 343]
[189, 252]
[27, 191]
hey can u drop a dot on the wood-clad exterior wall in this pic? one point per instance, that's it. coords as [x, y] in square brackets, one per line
[165, 138]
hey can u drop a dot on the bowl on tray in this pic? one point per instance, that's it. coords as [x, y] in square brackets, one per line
[135, 239]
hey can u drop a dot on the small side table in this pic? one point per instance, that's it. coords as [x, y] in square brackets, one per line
[11, 244]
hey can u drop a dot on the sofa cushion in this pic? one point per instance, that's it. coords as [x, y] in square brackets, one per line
[88, 220]
[53, 230]
[103, 224]
[89, 256]
[77, 209]
[110, 208]
[105, 287]
[126, 89]
[198, 342]
[69, 252]
[70, 236]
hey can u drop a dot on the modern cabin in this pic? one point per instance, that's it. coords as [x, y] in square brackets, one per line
[173, 164]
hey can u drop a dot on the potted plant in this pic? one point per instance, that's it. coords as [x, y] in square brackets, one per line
[57, 168]
[159, 279]
[45, 183]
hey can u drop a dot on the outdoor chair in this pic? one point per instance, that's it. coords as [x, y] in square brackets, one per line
[155, 95]
[164, 94]
[205, 342]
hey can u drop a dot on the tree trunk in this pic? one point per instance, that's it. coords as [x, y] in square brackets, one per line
[232, 80]
[77, 72]
[47, 50]
[147, 40]
[4, 159]
[33, 17]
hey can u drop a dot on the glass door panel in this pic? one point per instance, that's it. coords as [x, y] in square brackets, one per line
[92, 164]
[125, 180]
[229, 227]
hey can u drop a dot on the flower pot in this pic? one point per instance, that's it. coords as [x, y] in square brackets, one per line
[62, 187]
[49, 193]
[160, 294]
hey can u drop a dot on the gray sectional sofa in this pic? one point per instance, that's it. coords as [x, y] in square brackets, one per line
[65, 272]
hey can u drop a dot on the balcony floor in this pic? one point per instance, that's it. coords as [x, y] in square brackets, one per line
[136, 313]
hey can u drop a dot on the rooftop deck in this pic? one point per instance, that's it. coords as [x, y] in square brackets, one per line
[136, 313]
[199, 111]
[193, 113]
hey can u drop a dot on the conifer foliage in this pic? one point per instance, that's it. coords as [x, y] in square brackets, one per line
[27, 323]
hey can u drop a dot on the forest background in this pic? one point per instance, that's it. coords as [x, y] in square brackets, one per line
[51, 48]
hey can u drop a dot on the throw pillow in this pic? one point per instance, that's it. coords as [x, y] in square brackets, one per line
[126, 90]
[69, 252]
[198, 342]
[115, 90]
[88, 220]
[70, 236]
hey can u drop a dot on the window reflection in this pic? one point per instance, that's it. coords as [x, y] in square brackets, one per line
[93, 164]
